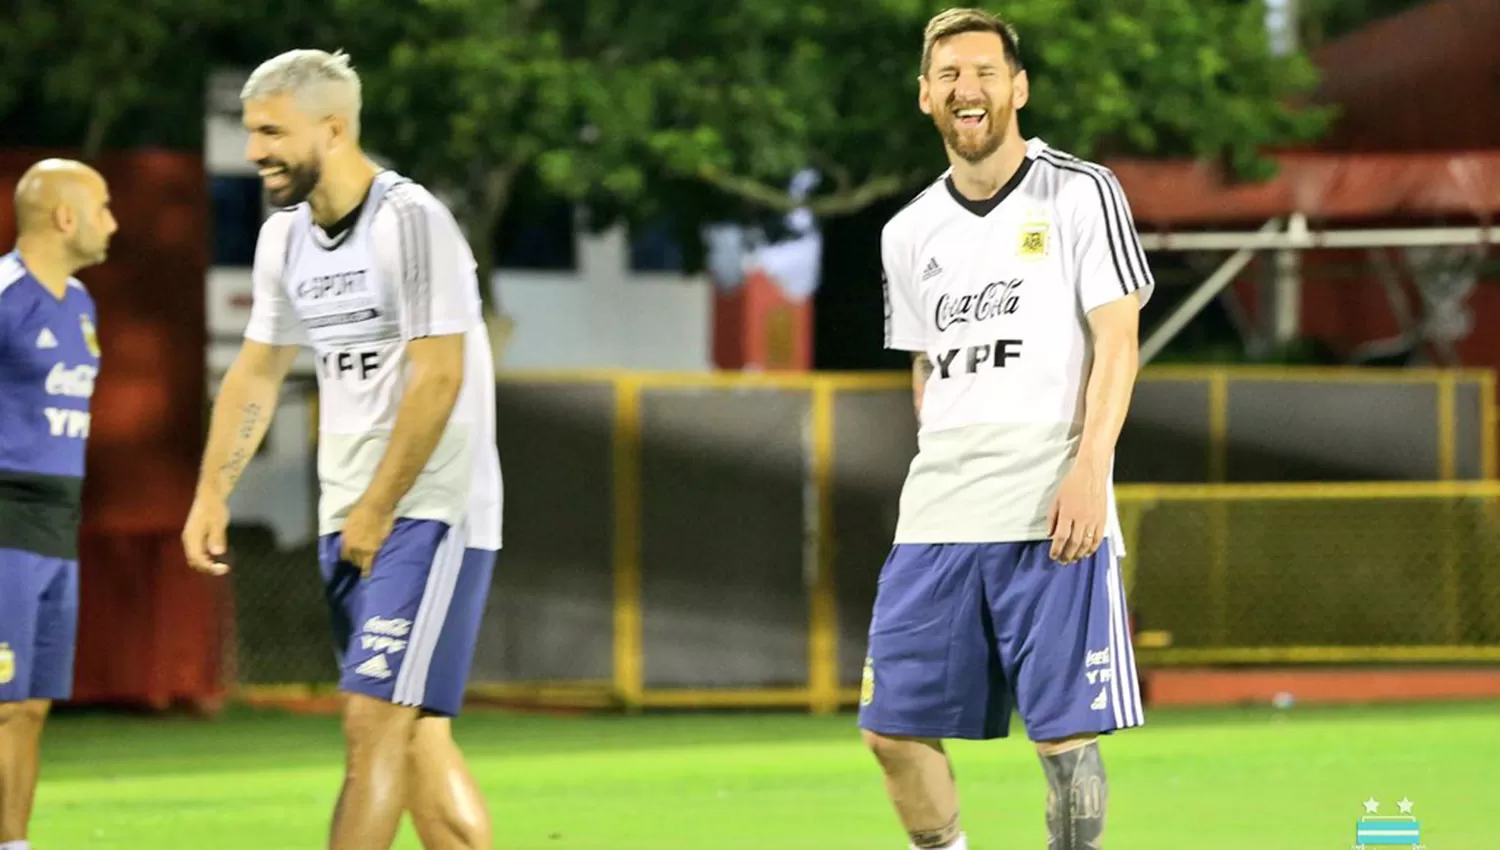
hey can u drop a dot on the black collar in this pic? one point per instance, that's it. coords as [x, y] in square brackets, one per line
[345, 224]
[984, 207]
[334, 235]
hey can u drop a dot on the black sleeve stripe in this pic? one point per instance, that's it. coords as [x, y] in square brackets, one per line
[1127, 285]
[1108, 187]
[416, 269]
[1111, 229]
[1112, 199]
[1132, 237]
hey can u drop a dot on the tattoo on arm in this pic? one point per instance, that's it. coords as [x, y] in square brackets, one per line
[922, 366]
[940, 837]
[234, 467]
[921, 370]
[250, 420]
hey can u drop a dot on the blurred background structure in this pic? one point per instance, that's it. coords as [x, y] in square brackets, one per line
[677, 206]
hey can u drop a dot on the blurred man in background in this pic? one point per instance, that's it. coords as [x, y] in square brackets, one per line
[372, 270]
[49, 358]
[1016, 280]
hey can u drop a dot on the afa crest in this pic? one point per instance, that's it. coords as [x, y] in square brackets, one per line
[90, 336]
[7, 664]
[1033, 242]
[867, 683]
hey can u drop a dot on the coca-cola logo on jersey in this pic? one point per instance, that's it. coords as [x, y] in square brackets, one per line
[1000, 298]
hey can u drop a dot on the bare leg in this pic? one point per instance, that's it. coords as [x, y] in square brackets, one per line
[378, 736]
[20, 763]
[1077, 793]
[919, 778]
[444, 800]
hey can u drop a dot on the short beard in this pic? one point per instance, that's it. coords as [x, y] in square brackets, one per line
[991, 142]
[301, 181]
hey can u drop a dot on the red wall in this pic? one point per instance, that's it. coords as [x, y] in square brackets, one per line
[1344, 305]
[150, 629]
[1423, 80]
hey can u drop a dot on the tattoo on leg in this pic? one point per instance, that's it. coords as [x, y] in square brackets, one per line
[1077, 796]
[1059, 837]
[935, 838]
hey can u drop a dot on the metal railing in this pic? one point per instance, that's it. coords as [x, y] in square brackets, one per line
[713, 540]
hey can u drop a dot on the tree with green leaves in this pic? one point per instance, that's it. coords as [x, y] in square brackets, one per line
[95, 74]
[466, 95]
[765, 87]
[640, 105]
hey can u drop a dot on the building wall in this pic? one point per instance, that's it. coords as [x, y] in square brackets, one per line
[1423, 80]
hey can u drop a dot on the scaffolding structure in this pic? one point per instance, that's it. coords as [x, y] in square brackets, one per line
[1439, 203]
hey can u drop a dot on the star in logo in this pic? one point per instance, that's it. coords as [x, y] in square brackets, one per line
[1371, 806]
[1405, 805]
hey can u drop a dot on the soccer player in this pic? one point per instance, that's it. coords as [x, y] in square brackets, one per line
[372, 271]
[49, 357]
[1016, 280]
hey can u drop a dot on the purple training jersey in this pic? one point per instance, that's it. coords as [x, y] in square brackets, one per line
[49, 358]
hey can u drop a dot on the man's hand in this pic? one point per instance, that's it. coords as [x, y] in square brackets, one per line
[1079, 513]
[203, 535]
[365, 531]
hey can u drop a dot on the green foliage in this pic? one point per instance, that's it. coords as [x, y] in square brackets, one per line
[688, 104]
[98, 66]
[767, 86]
[639, 106]
[464, 95]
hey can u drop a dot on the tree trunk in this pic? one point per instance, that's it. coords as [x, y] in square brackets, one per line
[484, 204]
[845, 201]
[101, 117]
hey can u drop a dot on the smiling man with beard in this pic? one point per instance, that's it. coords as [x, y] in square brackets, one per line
[1016, 281]
[371, 270]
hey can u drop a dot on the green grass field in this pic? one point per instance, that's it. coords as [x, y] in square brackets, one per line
[1228, 780]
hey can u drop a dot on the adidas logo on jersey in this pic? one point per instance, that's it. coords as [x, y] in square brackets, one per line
[46, 339]
[932, 270]
[1100, 702]
[375, 668]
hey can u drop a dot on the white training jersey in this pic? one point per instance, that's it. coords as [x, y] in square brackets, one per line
[996, 294]
[402, 271]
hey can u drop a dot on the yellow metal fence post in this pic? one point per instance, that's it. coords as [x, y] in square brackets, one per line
[1447, 427]
[629, 662]
[823, 643]
[1487, 433]
[1218, 426]
[1218, 513]
[1451, 515]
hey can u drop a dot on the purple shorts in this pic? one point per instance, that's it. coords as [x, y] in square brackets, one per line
[406, 634]
[963, 634]
[38, 626]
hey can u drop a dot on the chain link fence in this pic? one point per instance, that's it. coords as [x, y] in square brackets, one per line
[735, 540]
[1315, 571]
